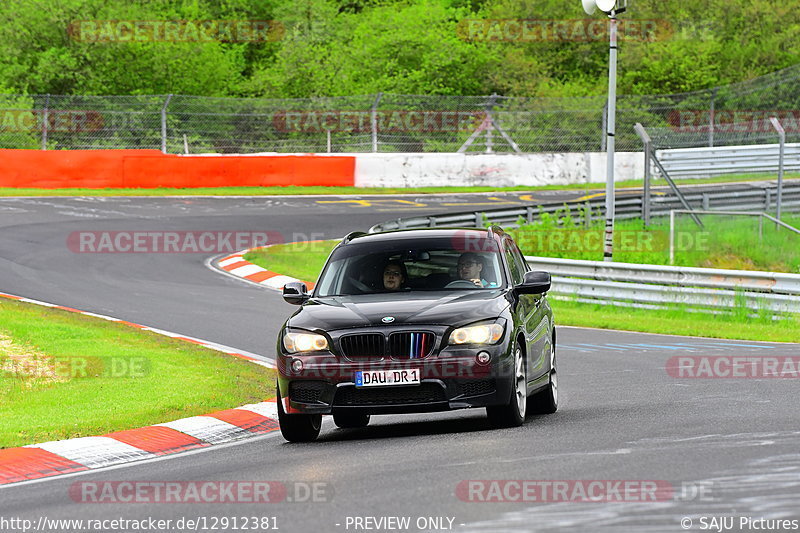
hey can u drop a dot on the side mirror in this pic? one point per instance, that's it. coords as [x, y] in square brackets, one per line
[295, 292]
[534, 283]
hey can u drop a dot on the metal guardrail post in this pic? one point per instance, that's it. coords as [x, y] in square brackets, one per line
[45, 121]
[374, 121]
[478, 219]
[164, 124]
[782, 136]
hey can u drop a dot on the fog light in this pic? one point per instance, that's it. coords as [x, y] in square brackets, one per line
[297, 365]
[483, 357]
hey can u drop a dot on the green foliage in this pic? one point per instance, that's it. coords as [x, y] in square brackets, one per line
[347, 47]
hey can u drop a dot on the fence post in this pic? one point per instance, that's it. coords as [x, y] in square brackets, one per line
[782, 138]
[645, 137]
[711, 117]
[672, 237]
[164, 124]
[374, 121]
[328, 139]
[490, 128]
[45, 121]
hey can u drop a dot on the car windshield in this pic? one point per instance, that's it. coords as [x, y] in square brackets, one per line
[406, 265]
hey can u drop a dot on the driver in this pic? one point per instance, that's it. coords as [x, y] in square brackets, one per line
[470, 267]
[394, 276]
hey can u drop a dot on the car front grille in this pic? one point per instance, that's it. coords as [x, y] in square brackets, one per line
[306, 391]
[476, 387]
[424, 393]
[411, 345]
[367, 345]
[401, 345]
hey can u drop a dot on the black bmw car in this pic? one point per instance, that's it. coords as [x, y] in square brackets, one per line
[417, 321]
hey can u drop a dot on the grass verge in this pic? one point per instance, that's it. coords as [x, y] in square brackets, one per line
[729, 242]
[305, 260]
[64, 375]
[294, 190]
[301, 260]
[678, 321]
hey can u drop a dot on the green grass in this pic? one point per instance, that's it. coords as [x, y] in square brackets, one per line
[725, 241]
[294, 190]
[302, 260]
[677, 321]
[305, 260]
[95, 391]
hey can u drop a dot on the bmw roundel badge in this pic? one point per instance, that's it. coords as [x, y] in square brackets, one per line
[387, 319]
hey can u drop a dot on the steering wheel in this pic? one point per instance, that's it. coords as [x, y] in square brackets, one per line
[363, 287]
[461, 284]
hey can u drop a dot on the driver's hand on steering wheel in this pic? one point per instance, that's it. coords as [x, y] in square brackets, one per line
[476, 281]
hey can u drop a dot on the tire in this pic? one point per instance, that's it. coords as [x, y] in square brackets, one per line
[350, 420]
[513, 413]
[298, 428]
[546, 401]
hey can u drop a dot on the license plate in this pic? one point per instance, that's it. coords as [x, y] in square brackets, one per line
[385, 378]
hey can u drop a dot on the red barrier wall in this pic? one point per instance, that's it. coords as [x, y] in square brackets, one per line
[96, 169]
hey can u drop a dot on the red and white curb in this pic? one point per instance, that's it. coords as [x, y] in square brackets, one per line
[236, 265]
[86, 453]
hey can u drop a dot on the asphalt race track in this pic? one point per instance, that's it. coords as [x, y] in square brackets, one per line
[728, 447]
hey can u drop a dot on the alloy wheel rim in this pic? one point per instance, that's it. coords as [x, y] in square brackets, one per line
[553, 376]
[520, 382]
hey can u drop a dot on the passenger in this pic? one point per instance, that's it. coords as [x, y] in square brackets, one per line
[394, 276]
[470, 268]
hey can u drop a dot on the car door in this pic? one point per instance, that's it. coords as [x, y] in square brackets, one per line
[531, 312]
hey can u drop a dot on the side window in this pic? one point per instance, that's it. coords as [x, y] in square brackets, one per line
[521, 259]
[513, 262]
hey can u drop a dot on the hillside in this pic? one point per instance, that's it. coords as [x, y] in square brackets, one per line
[347, 47]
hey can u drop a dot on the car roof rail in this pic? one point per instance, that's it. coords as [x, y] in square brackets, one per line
[352, 235]
[493, 230]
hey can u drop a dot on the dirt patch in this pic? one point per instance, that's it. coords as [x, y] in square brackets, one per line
[27, 364]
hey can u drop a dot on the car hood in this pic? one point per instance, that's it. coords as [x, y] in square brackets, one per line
[452, 308]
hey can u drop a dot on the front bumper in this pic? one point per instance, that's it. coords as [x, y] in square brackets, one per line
[326, 384]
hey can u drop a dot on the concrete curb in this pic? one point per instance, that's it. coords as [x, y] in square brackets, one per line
[86, 453]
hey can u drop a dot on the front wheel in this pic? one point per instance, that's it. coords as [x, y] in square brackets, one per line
[513, 413]
[298, 427]
[546, 401]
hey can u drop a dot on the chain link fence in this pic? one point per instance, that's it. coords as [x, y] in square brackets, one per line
[401, 123]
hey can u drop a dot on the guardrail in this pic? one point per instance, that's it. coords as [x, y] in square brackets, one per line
[760, 199]
[705, 162]
[653, 286]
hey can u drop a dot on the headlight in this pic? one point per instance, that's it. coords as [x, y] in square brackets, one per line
[304, 342]
[483, 334]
